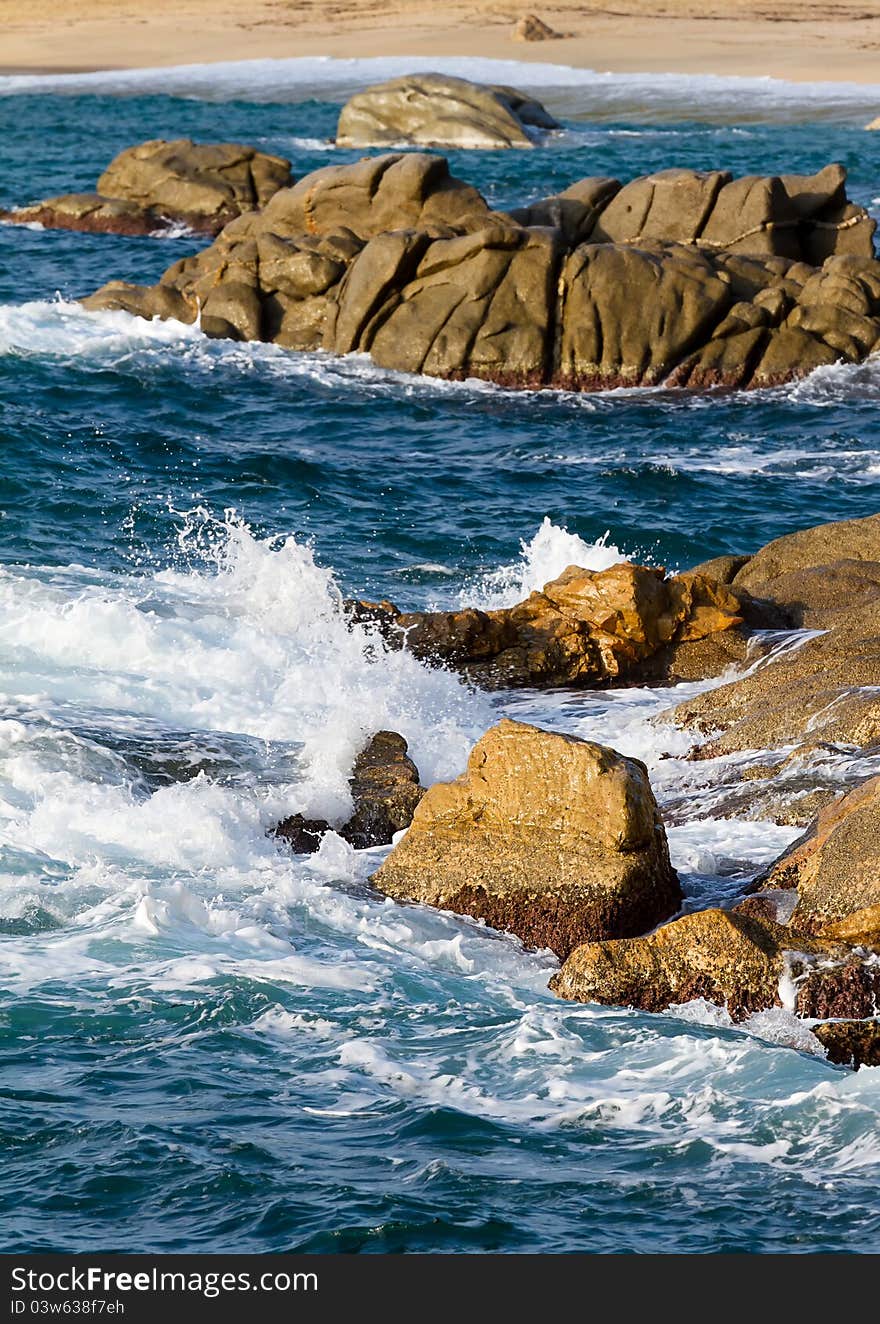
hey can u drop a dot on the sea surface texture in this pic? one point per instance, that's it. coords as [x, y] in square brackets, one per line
[209, 1045]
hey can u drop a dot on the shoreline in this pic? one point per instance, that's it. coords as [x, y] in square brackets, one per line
[84, 36]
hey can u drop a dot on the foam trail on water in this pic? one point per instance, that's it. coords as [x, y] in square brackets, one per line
[568, 90]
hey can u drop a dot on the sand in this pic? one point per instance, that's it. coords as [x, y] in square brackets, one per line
[780, 38]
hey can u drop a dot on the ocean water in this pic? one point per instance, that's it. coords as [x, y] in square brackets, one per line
[209, 1045]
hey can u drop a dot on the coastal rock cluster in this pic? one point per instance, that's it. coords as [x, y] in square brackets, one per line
[682, 277]
[159, 184]
[584, 627]
[560, 841]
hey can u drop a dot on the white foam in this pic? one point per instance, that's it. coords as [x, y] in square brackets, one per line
[544, 556]
[566, 89]
[251, 640]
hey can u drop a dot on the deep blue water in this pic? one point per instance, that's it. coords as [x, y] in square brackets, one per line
[207, 1045]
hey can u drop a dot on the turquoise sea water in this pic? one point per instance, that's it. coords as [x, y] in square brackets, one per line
[207, 1045]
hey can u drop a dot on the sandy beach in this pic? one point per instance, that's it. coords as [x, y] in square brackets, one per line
[777, 38]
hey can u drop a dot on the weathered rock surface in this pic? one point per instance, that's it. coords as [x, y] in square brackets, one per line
[546, 836]
[733, 959]
[155, 184]
[835, 868]
[434, 110]
[385, 791]
[586, 627]
[851, 1043]
[825, 689]
[595, 288]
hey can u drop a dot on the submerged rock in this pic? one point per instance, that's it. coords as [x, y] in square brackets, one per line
[385, 791]
[738, 961]
[435, 110]
[851, 1043]
[156, 184]
[546, 836]
[585, 627]
[595, 288]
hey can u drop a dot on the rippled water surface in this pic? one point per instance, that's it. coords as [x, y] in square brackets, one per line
[210, 1045]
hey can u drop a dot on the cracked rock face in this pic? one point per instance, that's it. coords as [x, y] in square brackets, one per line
[585, 627]
[434, 110]
[552, 838]
[670, 279]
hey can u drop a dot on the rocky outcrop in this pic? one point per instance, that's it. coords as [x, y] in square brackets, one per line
[434, 110]
[835, 869]
[532, 28]
[148, 188]
[825, 688]
[586, 627]
[851, 1043]
[595, 288]
[737, 961]
[385, 791]
[546, 836]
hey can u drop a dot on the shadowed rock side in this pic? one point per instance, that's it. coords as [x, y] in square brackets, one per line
[735, 960]
[685, 278]
[434, 110]
[384, 790]
[546, 836]
[158, 184]
[851, 1043]
[586, 627]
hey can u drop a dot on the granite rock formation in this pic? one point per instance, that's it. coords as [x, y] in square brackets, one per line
[546, 836]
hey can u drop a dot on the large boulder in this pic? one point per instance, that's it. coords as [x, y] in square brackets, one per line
[156, 184]
[825, 688]
[396, 191]
[835, 868]
[546, 836]
[585, 627]
[385, 790]
[735, 960]
[434, 110]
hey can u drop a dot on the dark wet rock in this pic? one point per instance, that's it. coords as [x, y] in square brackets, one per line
[385, 791]
[731, 958]
[850, 1043]
[434, 110]
[552, 838]
[585, 627]
[156, 184]
[89, 212]
[395, 258]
